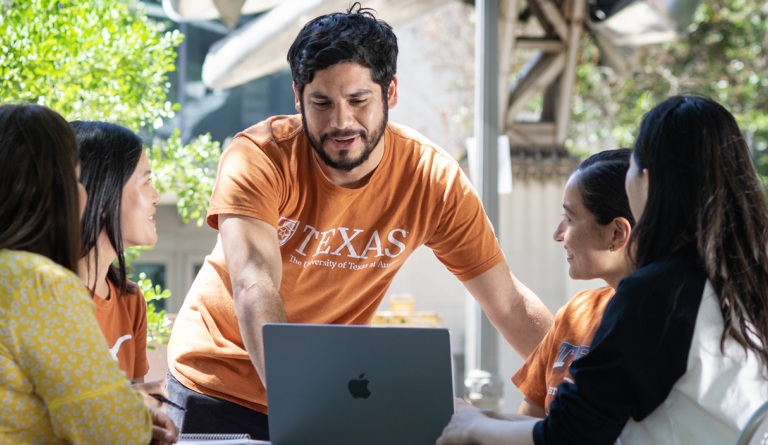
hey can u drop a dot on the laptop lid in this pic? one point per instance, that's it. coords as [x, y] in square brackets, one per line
[358, 385]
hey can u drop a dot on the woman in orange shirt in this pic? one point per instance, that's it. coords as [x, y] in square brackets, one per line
[595, 228]
[120, 213]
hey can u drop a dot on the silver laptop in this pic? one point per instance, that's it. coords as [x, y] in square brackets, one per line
[357, 385]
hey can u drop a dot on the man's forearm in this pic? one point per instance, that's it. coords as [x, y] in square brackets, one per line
[256, 305]
[526, 323]
[514, 310]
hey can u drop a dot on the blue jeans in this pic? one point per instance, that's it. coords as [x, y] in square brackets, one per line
[206, 414]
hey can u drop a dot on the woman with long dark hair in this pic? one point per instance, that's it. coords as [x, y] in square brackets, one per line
[58, 382]
[120, 213]
[681, 354]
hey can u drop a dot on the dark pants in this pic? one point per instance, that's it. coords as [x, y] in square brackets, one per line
[206, 414]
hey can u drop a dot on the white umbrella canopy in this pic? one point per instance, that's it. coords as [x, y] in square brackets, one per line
[260, 47]
[638, 24]
[228, 11]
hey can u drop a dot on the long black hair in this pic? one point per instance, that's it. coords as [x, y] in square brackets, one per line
[108, 154]
[703, 190]
[39, 209]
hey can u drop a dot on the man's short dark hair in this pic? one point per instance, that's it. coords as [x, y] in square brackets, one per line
[355, 36]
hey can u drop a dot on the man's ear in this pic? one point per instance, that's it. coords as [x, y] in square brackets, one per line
[296, 97]
[392, 93]
[622, 229]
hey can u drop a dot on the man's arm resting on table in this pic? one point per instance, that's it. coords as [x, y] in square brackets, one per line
[512, 308]
[255, 269]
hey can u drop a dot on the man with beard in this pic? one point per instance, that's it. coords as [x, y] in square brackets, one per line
[316, 212]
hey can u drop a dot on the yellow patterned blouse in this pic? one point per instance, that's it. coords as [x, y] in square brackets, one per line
[58, 383]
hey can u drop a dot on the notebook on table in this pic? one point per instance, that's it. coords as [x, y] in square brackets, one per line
[361, 385]
[218, 439]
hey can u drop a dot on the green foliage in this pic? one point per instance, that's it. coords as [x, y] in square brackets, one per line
[158, 325]
[722, 56]
[106, 60]
[93, 60]
[192, 184]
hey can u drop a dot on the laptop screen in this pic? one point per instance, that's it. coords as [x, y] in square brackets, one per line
[362, 385]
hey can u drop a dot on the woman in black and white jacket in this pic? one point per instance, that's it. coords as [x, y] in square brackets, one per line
[681, 355]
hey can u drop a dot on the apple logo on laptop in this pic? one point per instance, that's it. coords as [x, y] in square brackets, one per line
[359, 387]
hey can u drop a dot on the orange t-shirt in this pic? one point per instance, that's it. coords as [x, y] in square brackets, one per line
[340, 247]
[569, 338]
[123, 321]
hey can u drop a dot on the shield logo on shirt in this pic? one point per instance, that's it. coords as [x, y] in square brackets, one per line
[285, 229]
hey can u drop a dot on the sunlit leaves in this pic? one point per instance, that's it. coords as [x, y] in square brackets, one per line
[158, 324]
[92, 60]
[722, 56]
[192, 184]
[106, 60]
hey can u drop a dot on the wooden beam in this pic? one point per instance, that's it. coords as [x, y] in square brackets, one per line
[544, 71]
[563, 111]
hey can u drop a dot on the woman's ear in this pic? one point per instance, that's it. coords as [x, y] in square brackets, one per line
[622, 229]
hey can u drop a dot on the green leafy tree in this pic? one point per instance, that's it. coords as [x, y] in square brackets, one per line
[87, 60]
[158, 325]
[722, 56]
[188, 171]
[99, 60]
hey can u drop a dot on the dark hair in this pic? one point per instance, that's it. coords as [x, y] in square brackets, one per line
[39, 209]
[703, 190]
[600, 180]
[355, 36]
[108, 154]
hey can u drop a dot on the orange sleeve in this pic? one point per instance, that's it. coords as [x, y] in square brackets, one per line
[253, 171]
[465, 241]
[569, 338]
[139, 313]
